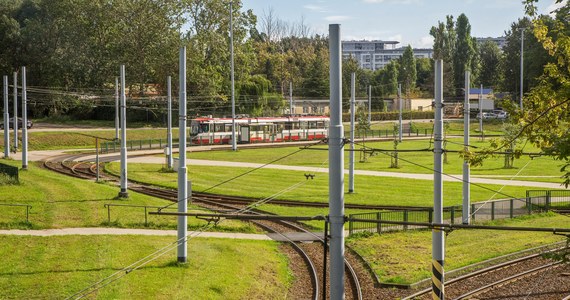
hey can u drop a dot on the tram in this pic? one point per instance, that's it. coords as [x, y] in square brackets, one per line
[208, 130]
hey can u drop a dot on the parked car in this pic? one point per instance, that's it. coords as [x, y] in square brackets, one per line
[501, 114]
[487, 115]
[29, 125]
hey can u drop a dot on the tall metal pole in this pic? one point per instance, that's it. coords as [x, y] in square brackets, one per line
[522, 67]
[351, 153]
[24, 121]
[400, 114]
[123, 193]
[182, 250]
[438, 245]
[117, 124]
[15, 125]
[336, 167]
[234, 142]
[481, 112]
[6, 120]
[97, 158]
[466, 211]
[169, 121]
[369, 104]
[291, 98]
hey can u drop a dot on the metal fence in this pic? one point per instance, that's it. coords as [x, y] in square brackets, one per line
[10, 171]
[145, 144]
[391, 134]
[483, 211]
[26, 206]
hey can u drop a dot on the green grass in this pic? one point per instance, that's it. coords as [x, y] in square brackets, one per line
[405, 257]
[525, 168]
[55, 140]
[60, 201]
[455, 126]
[264, 183]
[57, 267]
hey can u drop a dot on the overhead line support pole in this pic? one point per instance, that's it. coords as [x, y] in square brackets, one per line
[169, 122]
[400, 112]
[182, 250]
[6, 120]
[234, 141]
[117, 122]
[351, 153]
[123, 193]
[336, 167]
[15, 125]
[24, 121]
[466, 208]
[438, 245]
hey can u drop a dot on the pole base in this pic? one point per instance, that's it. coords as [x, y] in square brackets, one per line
[25, 167]
[350, 191]
[182, 260]
[123, 194]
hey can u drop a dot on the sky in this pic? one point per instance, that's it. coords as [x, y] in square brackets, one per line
[406, 21]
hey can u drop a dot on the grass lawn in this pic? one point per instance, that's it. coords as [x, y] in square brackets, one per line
[57, 267]
[405, 257]
[53, 140]
[544, 169]
[454, 127]
[60, 201]
[264, 183]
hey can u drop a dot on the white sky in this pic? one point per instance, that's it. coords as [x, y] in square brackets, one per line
[406, 21]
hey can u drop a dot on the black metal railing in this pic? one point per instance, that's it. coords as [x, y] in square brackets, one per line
[10, 171]
[144, 207]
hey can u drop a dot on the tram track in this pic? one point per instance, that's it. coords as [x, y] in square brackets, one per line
[85, 170]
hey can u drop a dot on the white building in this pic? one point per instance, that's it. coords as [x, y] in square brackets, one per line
[374, 55]
[500, 41]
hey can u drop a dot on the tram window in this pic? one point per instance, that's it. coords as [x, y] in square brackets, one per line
[280, 127]
[313, 125]
[228, 128]
[218, 127]
[304, 125]
[288, 125]
[320, 124]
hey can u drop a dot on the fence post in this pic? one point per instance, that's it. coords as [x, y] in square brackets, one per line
[108, 213]
[453, 215]
[492, 210]
[406, 219]
[379, 225]
[473, 212]
[140, 144]
[511, 208]
[548, 199]
[145, 217]
[529, 205]
[28, 213]
[350, 225]
[430, 217]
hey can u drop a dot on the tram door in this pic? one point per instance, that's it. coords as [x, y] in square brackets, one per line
[244, 134]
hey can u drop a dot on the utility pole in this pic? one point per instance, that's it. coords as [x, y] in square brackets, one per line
[351, 153]
[182, 250]
[234, 142]
[24, 121]
[481, 112]
[466, 211]
[522, 67]
[117, 108]
[400, 114]
[169, 122]
[15, 125]
[123, 193]
[291, 98]
[97, 158]
[6, 120]
[369, 105]
[336, 167]
[438, 243]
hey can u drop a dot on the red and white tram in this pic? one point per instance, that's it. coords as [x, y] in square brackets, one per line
[207, 130]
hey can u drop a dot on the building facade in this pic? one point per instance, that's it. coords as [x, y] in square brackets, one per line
[374, 55]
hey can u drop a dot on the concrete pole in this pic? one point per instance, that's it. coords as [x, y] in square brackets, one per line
[169, 121]
[15, 125]
[291, 98]
[481, 112]
[336, 167]
[522, 67]
[24, 121]
[466, 210]
[351, 153]
[234, 141]
[123, 193]
[97, 158]
[182, 250]
[117, 124]
[6, 120]
[369, 104]
[438, 245]
[400, 114]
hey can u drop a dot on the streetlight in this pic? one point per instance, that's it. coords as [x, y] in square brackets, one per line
[234, 142]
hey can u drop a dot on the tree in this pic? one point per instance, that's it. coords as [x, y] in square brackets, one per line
[443, 48]
[407, 72]
[464, 51]
[491, 60]
[546, 107]
[424, 69]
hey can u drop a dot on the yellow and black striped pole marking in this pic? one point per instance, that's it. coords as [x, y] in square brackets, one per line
[437, 287]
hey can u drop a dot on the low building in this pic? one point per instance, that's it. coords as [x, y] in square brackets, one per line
[374, 55]
[418, 104]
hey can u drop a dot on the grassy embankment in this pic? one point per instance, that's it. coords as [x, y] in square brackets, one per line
[58, 267]
[60, 201]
